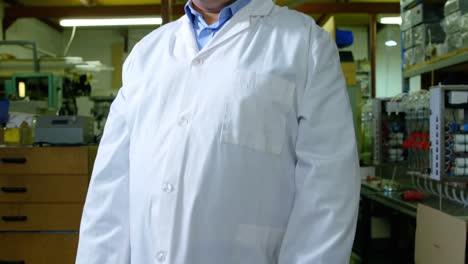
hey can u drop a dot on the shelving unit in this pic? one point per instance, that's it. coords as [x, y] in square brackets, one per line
[446, 61]
[50, 65]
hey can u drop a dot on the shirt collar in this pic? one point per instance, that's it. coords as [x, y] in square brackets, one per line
[226, 13]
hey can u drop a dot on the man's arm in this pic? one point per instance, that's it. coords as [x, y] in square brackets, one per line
[322, 223]
[104, 230]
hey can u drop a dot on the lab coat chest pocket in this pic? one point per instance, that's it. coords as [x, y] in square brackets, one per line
[255, 116]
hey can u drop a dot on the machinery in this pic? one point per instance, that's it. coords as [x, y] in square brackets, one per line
[100, 112]
[424, 134]
[64, 130]
[58, 92]
[367, 139]
[388, 131]
[398, 130]
[416, 143]
[449, 132]
[35, 87]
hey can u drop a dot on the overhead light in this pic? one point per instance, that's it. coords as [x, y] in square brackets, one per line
[391, 20]
[390, 43]
[100, 22]
[22, 90]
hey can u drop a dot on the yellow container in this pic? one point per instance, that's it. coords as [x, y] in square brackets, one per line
[12, 135]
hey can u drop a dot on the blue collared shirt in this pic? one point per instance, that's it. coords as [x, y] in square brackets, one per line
[205, 32]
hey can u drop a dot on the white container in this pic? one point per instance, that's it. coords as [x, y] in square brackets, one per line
[461, 162]
[460, 148]
[461, 139]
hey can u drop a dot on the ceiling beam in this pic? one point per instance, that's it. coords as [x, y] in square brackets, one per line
[11, 2]
[347, 8]
[81, 11]
[52, 24]
[322, 19]
[44, 12]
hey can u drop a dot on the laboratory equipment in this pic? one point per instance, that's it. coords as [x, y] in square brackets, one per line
[449, 132]
[367, 139]
[57, 92]
[389, 130]
[64, 130]
[35, 87]
[100, 112]
[417, 112]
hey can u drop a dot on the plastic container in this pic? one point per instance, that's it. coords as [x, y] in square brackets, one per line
[452, 6]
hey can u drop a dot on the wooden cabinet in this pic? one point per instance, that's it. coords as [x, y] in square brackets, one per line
[39, 161]
[43, 189]
[42, 193]
[40, 217]
[38, 248]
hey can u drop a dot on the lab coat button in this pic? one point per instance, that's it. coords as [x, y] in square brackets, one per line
[168, 188]
[198, 61]
[183, 121]
[161, 256]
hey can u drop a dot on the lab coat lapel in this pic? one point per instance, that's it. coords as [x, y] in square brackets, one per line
[185, 34]
[240, 22]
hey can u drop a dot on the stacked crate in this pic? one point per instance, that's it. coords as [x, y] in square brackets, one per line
[422, 30]
[456, 24]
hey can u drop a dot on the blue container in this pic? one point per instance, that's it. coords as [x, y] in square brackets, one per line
[454, 127]
[344, 38]
[4, 106]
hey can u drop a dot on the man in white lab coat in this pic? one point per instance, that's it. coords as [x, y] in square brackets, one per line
[230, 142]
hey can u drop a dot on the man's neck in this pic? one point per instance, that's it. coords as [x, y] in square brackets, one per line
[210, 12]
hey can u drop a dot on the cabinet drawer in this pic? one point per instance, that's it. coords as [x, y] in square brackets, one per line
[38, 248]
[51, 160]
[40, 217]
[43, 189]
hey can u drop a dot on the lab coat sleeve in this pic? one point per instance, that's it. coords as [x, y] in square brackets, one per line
[104, 231]
[322, 223]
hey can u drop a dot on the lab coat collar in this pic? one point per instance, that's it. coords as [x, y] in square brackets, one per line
[238, 23]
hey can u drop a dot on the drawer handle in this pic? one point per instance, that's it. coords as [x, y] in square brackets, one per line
[14, 160]
[14, 190]
[12, 262]
[20, 218]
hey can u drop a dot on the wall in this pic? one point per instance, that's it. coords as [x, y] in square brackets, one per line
[46, 38]
[96, 44]
[388, 72]
[388, 59]
[360, 47]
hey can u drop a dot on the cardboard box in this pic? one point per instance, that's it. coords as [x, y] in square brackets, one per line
[440, 238]
[423, 34]
[414, 55]
[452, 6]
[349, 72]
[409, 3]
[421, 13]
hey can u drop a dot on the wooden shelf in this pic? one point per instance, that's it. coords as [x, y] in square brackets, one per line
[447, 60]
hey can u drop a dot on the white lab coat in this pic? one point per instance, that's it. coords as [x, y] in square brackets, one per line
[241, 153]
